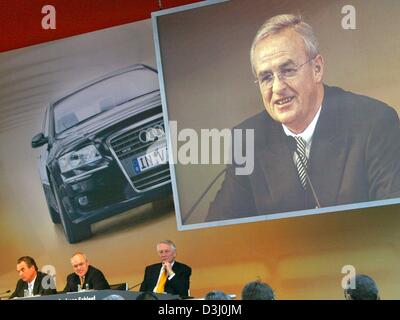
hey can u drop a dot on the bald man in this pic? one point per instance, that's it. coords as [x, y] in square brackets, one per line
[85, 275]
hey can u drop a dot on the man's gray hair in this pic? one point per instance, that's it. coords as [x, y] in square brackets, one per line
[79, 254]
[281, 22]
[168, 242]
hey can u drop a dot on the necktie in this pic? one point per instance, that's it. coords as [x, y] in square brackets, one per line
[30, 288]
[82, 279]
[161, 282]
[301, 160]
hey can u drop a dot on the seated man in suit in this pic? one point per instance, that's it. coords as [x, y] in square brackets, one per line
[36, 282]
[85, 275]
[168, 276]
[314, 145]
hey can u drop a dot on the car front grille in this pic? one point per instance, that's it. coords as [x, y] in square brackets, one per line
[127, 146]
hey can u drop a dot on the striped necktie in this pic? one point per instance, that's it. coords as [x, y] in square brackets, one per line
[301, 160]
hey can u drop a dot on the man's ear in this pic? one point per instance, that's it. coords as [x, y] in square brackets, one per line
[318, 68]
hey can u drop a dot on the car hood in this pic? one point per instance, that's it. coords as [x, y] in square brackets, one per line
[109, 118]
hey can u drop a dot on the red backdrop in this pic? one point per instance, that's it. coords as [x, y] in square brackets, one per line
[21, 20]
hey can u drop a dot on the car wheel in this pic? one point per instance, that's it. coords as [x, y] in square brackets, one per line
[51, 204]
[54, 215]
[73, 232]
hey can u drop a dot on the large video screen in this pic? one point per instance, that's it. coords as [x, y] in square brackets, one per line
[276, 109]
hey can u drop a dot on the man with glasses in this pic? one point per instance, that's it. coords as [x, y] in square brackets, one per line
[85, 276]
[316, 146]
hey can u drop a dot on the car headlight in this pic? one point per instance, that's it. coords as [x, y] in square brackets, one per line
[79, 158]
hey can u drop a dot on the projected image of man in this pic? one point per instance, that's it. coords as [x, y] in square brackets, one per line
[315, 145]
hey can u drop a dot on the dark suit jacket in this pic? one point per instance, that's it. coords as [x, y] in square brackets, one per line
[354, 157]
[37, 287]
[94, 277]
[179, 284]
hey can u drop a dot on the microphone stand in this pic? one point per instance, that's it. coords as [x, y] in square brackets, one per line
[3, 293]
[190, 212]
[134, 286]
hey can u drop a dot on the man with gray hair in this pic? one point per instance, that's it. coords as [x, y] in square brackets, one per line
[316, 145]
[168, 276]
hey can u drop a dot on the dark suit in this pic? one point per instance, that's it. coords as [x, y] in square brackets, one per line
[354, 157]
[37, 286]
[93, 277]
[179, 284]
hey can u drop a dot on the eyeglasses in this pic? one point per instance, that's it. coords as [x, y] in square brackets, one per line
[287, 73]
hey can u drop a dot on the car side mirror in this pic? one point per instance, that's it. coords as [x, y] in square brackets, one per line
[39, 140]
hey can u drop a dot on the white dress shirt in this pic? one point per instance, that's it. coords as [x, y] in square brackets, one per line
[307, 134]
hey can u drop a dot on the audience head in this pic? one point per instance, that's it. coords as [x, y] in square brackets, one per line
[365, 288]
[257, 290]
[217, 295]
[147, 295]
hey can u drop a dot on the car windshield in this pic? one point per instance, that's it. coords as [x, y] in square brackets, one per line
[102, 96]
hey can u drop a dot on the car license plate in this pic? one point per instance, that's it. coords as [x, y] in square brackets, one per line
[150, 160]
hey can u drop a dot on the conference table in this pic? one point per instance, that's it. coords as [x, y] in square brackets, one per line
[100, 295]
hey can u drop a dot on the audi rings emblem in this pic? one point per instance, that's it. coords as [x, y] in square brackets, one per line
[152, 133]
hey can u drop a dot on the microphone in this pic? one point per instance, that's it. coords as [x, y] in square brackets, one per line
[134, 286]
[4, 292]
[293, 148]
[190, 212]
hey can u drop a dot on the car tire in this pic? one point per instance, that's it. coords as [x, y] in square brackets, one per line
[54, 215]
[73, 232]
[51, 204]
